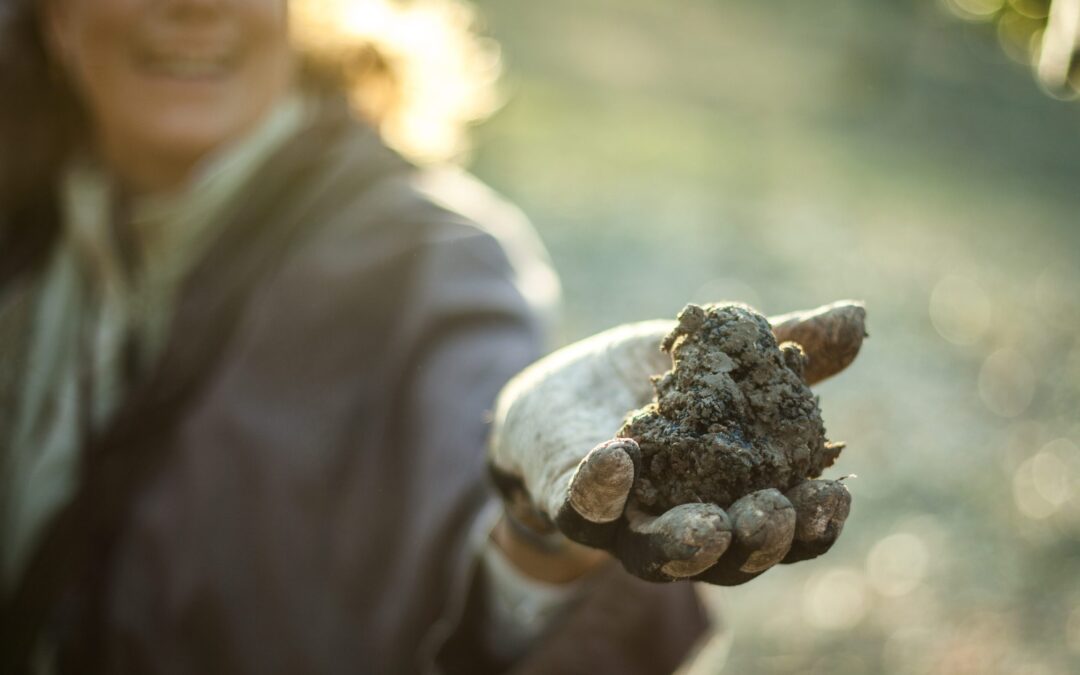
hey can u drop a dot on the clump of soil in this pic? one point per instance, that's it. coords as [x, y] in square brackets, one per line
[733, 416]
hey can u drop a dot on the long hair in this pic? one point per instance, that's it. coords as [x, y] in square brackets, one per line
[416, 71]
[41, 118]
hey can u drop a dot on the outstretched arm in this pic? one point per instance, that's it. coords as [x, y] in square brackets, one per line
[561, 472]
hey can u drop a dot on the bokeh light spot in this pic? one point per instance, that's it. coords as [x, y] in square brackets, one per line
[1032, 9]
[835, 599]
[897, 564]
[959, 310]
[1007, 383]
[1041, 485]
[975, 9]
[1017, 35]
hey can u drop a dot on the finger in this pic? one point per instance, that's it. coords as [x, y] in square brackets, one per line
[598, 491]
[763, 526]
[821, 508]
[602, 482]
[680, 543]
[831, 336]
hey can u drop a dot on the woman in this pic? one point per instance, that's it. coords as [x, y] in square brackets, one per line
[247, 355]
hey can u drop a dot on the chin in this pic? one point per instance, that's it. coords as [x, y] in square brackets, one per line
[186, 140]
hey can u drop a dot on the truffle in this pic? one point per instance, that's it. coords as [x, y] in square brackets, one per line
[734, 415]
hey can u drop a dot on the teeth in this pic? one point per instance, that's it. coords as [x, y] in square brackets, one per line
[189, 67]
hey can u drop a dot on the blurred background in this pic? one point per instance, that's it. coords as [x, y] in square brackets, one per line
[789, 154]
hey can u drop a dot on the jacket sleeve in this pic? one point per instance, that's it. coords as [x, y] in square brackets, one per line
[613, 622]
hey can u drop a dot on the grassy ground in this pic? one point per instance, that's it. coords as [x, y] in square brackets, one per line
[788, 154]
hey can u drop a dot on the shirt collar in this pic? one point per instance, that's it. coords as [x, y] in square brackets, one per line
[170, 230]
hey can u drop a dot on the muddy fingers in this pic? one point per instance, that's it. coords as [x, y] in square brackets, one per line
[680, 543]
[763, 527]
[821, 507]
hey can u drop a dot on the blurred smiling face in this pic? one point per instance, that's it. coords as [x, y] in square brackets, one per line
[167, 81]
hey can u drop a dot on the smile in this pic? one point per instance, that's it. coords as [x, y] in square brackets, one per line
[188, 66]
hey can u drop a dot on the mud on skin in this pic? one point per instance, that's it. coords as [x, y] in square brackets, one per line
[734, 415]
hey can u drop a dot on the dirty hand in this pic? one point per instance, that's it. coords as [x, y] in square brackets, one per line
[560, 471]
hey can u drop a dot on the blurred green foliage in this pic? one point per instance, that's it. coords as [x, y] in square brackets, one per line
[789, 154]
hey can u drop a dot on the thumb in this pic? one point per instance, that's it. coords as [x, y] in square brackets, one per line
[596, 497]
[830, 335]
[549, 417]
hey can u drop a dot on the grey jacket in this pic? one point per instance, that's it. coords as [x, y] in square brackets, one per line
[317, 485]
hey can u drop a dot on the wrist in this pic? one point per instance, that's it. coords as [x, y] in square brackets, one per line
[547, 563]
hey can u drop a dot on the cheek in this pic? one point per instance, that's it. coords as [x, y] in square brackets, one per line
[90, 42]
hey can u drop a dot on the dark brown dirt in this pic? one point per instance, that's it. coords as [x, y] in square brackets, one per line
[734, 415]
